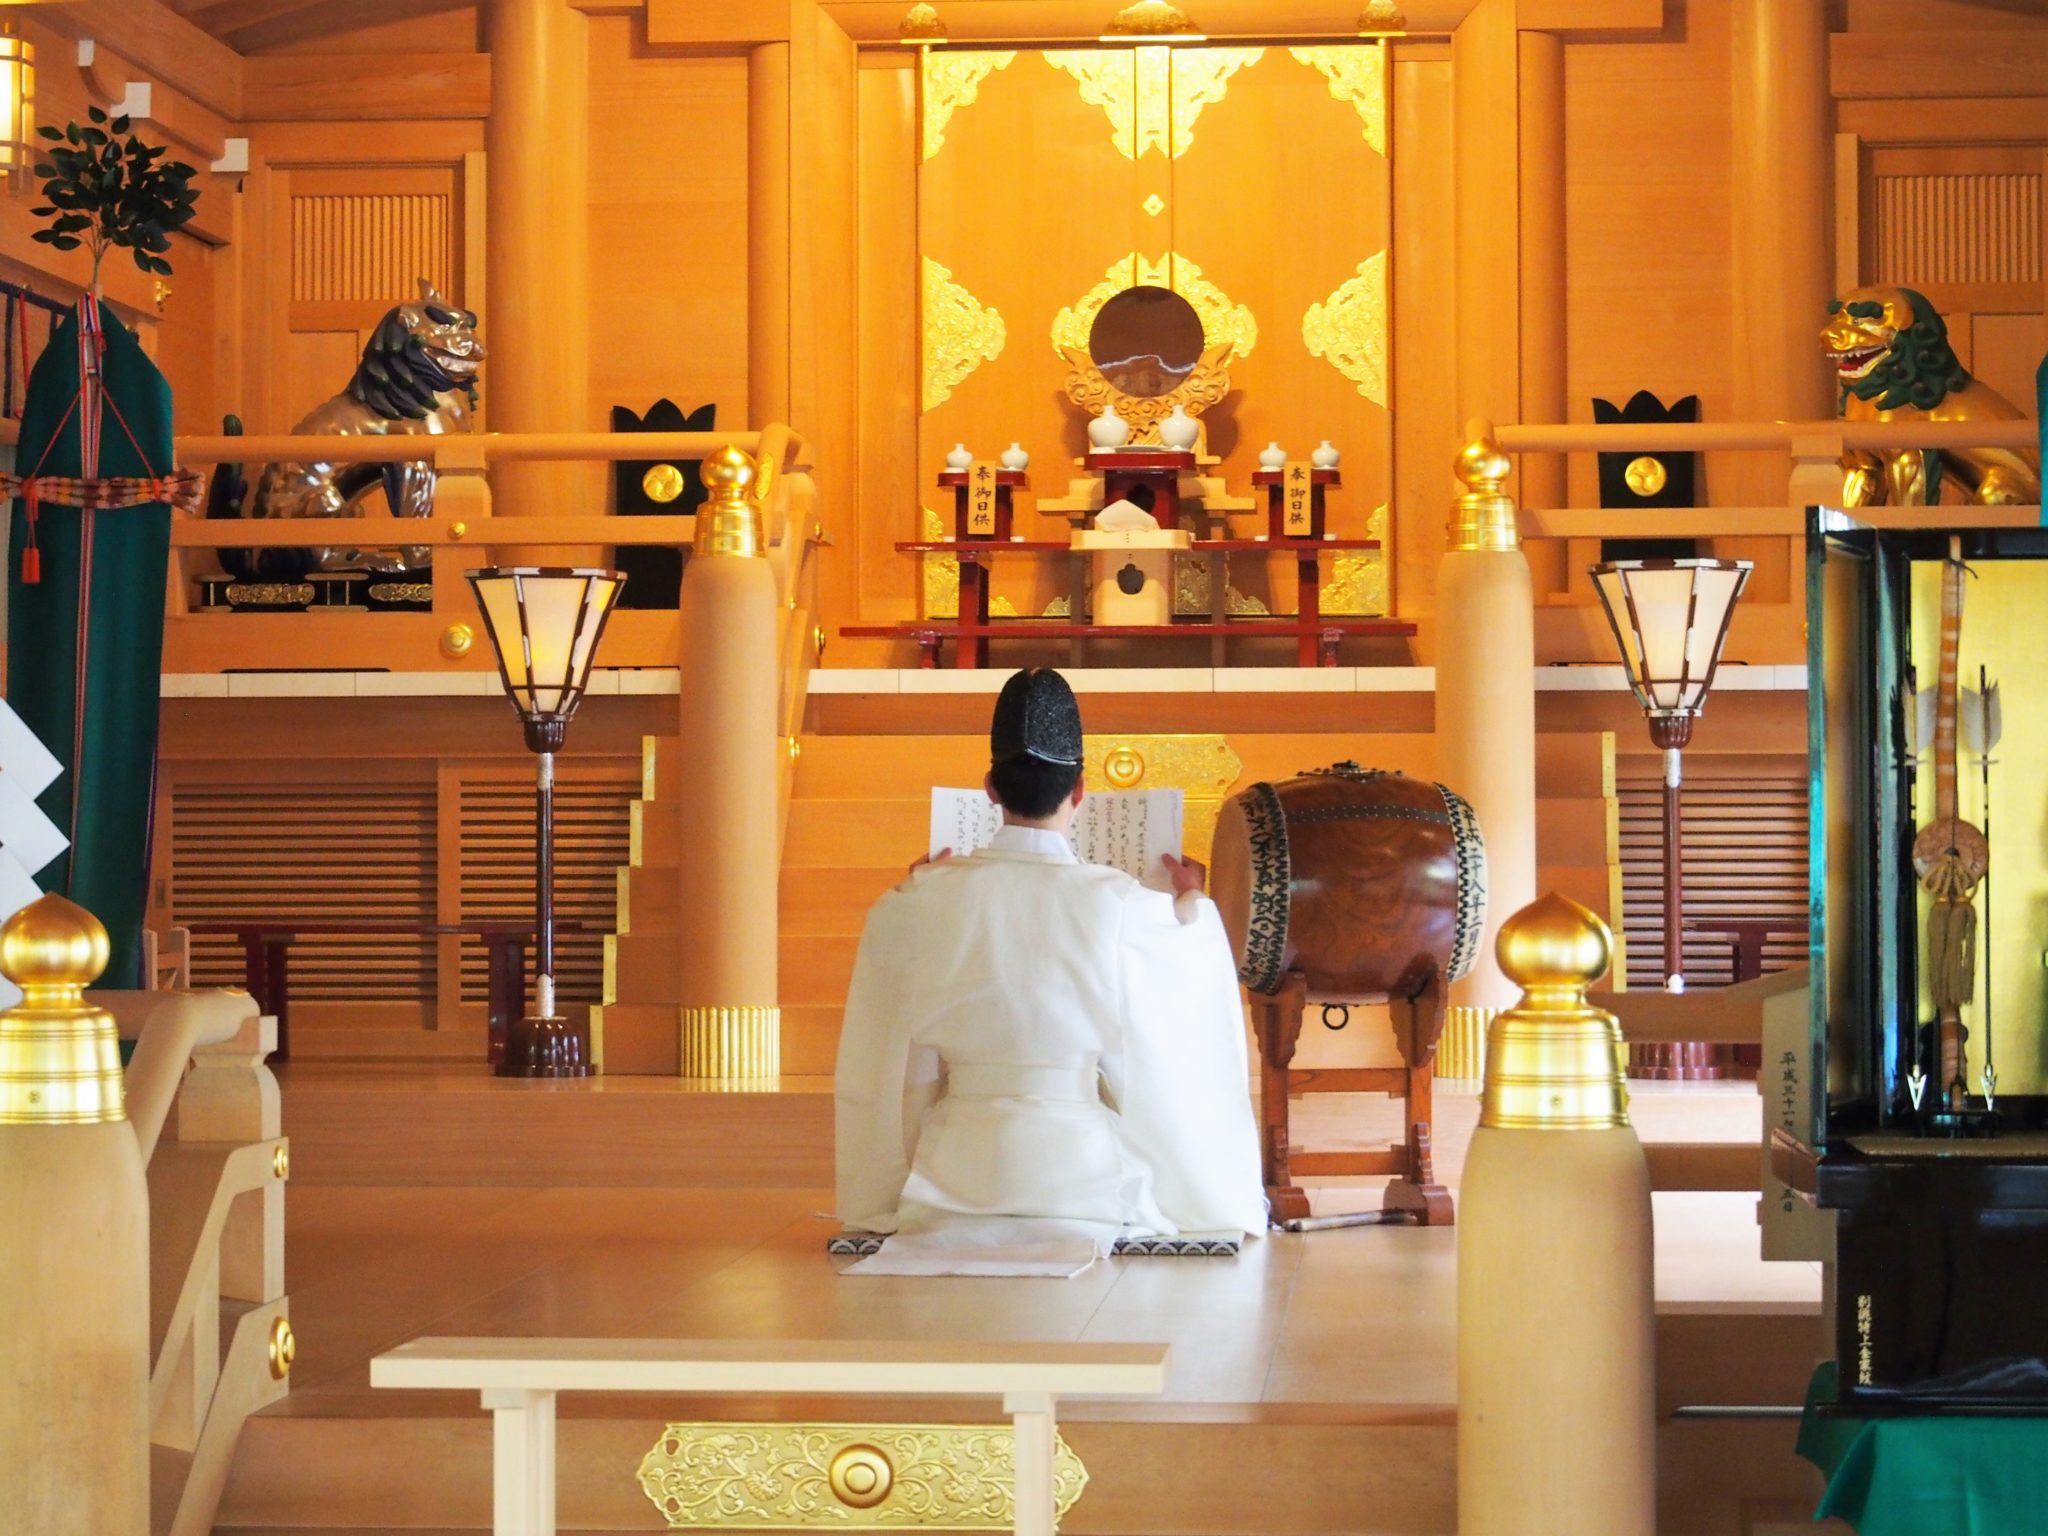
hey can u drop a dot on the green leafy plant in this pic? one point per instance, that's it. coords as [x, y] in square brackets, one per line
[107, 188]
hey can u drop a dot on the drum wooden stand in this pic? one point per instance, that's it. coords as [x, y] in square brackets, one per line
[1414, 1188]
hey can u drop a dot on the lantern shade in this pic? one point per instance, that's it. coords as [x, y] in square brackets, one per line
[544, 623]
[1670, 618]
[17, 105]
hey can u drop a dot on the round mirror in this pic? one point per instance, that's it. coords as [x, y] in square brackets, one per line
[1146, 341]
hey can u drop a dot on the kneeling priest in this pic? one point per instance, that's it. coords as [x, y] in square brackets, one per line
[1040, 1053]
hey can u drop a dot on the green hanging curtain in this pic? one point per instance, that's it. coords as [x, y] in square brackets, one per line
[85, 611]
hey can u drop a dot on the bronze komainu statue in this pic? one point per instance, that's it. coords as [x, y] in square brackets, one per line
[417, 375]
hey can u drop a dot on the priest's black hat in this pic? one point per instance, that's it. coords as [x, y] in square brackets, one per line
[1036, 716]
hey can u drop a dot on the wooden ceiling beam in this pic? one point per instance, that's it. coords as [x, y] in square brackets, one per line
[312, 87]
[331, 18]
[170, 47]
[223, 18]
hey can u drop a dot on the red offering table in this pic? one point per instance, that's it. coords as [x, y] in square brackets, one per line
[1294, 499]
[1316, 637]
[983, 512]
[1157, 471]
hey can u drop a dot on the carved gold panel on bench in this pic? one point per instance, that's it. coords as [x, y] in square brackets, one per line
[848, 1477]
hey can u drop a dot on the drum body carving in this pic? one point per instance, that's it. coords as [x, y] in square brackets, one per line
[1367, 883]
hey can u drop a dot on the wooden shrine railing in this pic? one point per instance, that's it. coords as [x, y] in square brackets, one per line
[221, 1342]
[462, 535]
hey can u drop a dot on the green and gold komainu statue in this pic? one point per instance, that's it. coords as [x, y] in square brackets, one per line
[1894, 363]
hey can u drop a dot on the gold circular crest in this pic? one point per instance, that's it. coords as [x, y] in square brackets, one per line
[284, 1348]
[1123, 767]
[861, 1477]
[456, 640]
[1645, 475]
[662, 482]
[281, 1162]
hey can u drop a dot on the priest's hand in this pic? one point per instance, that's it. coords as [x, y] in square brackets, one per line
[1187, 875]
[943, 856]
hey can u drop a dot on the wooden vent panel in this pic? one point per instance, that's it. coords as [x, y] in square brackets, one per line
[310, 852]
[1745, 858]
[1936, 228]
[592, 839]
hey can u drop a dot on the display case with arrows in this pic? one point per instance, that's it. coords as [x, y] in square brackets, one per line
[1928, 1134]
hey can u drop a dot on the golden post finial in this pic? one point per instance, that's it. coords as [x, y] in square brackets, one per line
[1553, 1061]
[60, 1059]
[1484, 516]
[730, 522]
[921, 24]
[1381, 17]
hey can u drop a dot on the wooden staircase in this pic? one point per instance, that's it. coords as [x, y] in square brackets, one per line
[857, 815]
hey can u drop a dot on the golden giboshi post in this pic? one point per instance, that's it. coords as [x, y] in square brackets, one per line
[74, 1267]
[1554, 1279]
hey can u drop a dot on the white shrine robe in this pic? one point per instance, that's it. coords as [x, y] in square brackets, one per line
[1039, 1049]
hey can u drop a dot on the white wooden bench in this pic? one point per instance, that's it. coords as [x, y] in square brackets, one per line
[519, 1379]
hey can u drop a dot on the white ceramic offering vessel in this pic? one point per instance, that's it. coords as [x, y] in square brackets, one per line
[1325, 457]
[1109, 430]
[1179, 430]
[959, 457]
[1014, 457]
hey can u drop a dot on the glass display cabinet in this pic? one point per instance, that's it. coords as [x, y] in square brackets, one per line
[1928, 1132]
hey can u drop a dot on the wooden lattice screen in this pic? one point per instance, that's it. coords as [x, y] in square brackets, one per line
[1745, 857]
[314, 851]
[414, 848]
[592, 837]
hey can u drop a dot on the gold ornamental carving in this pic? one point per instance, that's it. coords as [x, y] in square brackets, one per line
[848, 1477]
[951, 81]
[1357, 587]
[960, 334]
[1357, 73]
[921, 24]
[1349, 328]
[1193, 590]
[1203, 768]
[942, 578]
[1152, 95]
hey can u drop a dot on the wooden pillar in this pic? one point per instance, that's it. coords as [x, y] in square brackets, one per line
[1782, 215]
[1543, 391]
[768, 233]
[1485, 87]
[726, 909]
[537, 264]
[1485, 695]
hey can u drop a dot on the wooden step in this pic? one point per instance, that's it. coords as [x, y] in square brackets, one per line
[647, 968]
[637, 1039]
[650, 898]
[1577, 831]
[873, 833]
[371, 1128]
[832, 902]
[1594, 886]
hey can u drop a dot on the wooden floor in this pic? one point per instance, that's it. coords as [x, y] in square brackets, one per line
[1314, 1380]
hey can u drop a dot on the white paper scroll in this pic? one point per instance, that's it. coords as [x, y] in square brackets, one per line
[28, 839]
[1128, 830]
